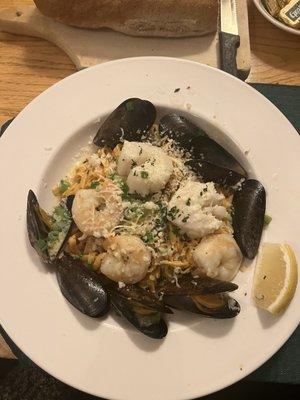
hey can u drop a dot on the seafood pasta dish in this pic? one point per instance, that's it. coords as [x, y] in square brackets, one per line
[156, 216]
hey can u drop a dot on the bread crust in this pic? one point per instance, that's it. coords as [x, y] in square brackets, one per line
[166, 18]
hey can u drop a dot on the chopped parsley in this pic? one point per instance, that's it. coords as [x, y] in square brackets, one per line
[61, 222]
[185, 219]
[173, 212]
[267, 219]
[63, 186]
[144, 174]
[94, 185]
[122, 185]
[176, 230]
[148, 238]
[188, 202]
[42, 244]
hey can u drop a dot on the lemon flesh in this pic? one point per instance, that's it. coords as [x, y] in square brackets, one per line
[275, 277]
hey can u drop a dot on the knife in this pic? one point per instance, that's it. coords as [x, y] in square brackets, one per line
[229, 39]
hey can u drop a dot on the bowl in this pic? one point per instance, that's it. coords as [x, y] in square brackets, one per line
[274, 21]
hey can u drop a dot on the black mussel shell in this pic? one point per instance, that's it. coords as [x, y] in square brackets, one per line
[218, 306]
[218, 162]
[143, 317]
[209, 172]
[180, 129]
[142, 298]
[129, 121]
[249, 206]
[204, 285]
[82, 287]
[38, 226]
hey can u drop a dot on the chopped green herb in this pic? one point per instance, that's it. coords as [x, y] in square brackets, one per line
[129, 106]
[267, 219]
[188, 202]
[133, 163]
[63, 186]
[185, 219]
[144, 174]
[148, 238]
[176, 230]
[173, 212]
[42, 244]
[94, 185]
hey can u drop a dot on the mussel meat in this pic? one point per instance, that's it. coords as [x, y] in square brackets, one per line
[249, 205]
[82, 287]
[218, 306]
[142, 310]
[208, 159]
[129, 121]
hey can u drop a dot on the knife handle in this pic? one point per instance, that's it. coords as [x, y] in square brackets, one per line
[228, 47]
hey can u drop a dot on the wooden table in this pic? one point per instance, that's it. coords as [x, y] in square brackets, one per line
[28, 65]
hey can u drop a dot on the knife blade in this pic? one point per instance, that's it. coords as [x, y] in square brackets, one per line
[229, 39]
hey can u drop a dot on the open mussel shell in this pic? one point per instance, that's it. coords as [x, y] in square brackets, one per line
[208, 159]
[203, 285]
[129, 121]
[218, 306]
[249, 206]
[82, 287]
[144, 314]
[209, 172]
[38, 226]
[140, 297]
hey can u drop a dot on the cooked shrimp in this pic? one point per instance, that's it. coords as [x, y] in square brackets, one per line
[127, 259]
[148, 167]
[218, 256]
[97, 211]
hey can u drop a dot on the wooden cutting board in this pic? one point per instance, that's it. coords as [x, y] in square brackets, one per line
[90, 47]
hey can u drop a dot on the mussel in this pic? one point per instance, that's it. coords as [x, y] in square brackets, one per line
[82, 287]
[208, 159]
[38, 227]
[129, 121]
[203, 285]
[142, 309]
[249, 205]
[219, 306]
[201, 295]
[48, 235]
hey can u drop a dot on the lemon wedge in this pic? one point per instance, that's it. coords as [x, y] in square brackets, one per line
[275, 277]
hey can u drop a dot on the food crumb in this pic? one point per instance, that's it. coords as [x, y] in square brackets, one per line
[246, 152]
[176, 90]
[188, 106]
[188, 87]
[245, 294]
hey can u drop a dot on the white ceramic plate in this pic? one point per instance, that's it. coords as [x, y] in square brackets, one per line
[273, 20]
[107, 358]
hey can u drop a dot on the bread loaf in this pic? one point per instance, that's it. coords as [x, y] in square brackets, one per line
[167, 18]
